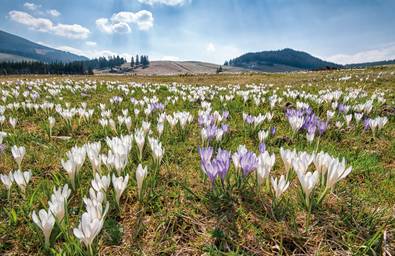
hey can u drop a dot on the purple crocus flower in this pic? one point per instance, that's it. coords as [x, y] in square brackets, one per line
[223, 159]
[341, 108]
[248, 162]
[366, 125]
[225, 114]
[211, 170]
[2, 148]
[322, 126]
[249, 119]
[262, 148]
[211, 131]
[273, 130]
[205, 156]
[225, 128]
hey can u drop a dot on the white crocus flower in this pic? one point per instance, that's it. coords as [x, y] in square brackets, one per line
[296, 122]
[337, 171]
[279, 186]
[146, 127]
[321, 162]
[71, 168]
[262, 135]
[51, 124]
[160, 129]
[139, 137]
[101, 183]
[265, 165]
[45, 221]
[2, 136]
[88, 229]
[22, 179]
[287, 156]
[18, 153]
[13, 122]
[58, 202]
[7, 181]
[141, 173]
[119, 184]
[308, 181]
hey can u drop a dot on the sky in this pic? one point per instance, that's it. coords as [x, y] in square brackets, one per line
[342, 31]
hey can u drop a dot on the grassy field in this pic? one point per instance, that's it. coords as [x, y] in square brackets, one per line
[180, 212]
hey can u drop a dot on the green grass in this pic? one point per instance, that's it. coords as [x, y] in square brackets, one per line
[180, 215]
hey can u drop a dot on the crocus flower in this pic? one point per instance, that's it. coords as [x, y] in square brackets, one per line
[45, 221]
[22, 179]
[139, 137]
[265, 165]
[88, 229]
[7, 181]
[337, 171]
[211, 169]
[273, 131]
[223, 163]
[70, 167]
[58, 202]
[141, 173]
[322, 126]
[101, 183]
[287, 156]
[262, 148]
[2, 136]
[321, 162]
[296, 122]
[119, 184]
[248, 162]
[308, 181]
[18, 153]
[279, 186]
[262, 135]
[205, 156]
[51, 124]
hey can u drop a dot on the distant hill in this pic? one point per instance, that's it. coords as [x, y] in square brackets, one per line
[168, 68]
[281, 61]
[15, 48]
[370, 64]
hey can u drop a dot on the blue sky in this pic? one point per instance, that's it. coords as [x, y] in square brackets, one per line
[344, 31]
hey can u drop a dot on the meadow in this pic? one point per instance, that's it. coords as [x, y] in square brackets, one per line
[227, 164]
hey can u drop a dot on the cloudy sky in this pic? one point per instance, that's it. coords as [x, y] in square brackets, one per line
[343, 31]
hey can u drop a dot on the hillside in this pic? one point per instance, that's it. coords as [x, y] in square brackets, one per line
[370, 64]
[280, 61]
[165, 68]
[15, 48]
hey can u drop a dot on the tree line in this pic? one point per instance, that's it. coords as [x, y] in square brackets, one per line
[139, 61]
[70, 68]
[35, 67]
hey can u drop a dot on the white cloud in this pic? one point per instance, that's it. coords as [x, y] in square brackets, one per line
[53, 13]
[39, 24]
[121, 22]
[164, 2]
[222, 53]
[170, 58]
[31, 6]
[73, 31]
[90, 43]
[386, 52]
[210, 47]
[90, 53]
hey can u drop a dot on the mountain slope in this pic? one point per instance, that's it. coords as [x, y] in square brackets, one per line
[281, 60]
[12, 45]
[370, 64]
[168, 68]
